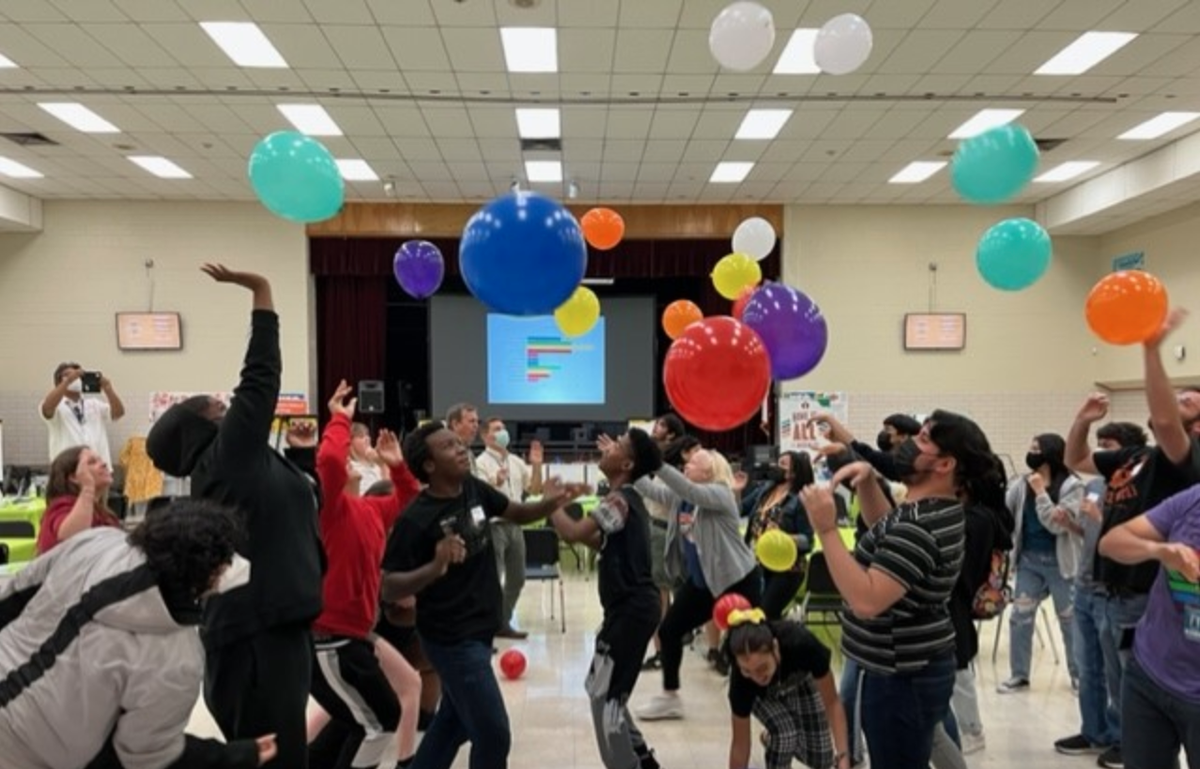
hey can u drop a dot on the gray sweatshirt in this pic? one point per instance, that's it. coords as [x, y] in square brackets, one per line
[725, 558]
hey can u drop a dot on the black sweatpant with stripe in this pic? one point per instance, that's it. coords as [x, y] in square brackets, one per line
[349, 683]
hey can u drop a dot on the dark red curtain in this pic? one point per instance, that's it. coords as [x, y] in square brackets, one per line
[353, 276]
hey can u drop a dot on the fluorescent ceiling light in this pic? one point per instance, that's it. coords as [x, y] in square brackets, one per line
[80, 117]
[15, 170]
[160, 167]
[543, 171]
[1088, 50]
[530, 49]
[6, 63]
[310, 119]
[245, 43]
[984, 120]
[763, 123]
[354, 170]
[730, 172]
[538, 123]
[917, 171]
[1069, 170]
[797, 57]
[1158, 126]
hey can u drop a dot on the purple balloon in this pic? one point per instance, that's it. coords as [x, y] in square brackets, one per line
[419, 268]
[791, 326]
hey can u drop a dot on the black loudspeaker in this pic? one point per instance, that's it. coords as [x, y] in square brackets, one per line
[404, 394]
[370, 396]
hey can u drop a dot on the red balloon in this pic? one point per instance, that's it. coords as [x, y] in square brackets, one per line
[726, 604]
[739, 304]
[717, 373]
[512, 664]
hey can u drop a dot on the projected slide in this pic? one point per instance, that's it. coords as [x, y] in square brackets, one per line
[530, 361]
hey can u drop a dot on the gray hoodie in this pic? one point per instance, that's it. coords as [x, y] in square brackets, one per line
[111, 661]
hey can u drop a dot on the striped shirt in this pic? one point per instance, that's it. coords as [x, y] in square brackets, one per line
[920, 545]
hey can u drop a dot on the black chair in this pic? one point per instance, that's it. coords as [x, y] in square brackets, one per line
[822, 597]
[541, 565]
[17, 530]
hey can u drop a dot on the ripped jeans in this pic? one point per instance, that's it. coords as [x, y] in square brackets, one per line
[1037, 577]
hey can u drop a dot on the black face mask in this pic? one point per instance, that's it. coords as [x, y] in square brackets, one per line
[1034, 460]
[884, 442]
[776, 475]
[905, 459]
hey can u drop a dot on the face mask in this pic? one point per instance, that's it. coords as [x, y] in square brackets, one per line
[75, 386]
[776, 474]
[502, 438]
[1034, 460]
[906, 459]
[884, 442]
[237, 575]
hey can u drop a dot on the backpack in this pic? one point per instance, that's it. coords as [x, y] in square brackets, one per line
[994, 595]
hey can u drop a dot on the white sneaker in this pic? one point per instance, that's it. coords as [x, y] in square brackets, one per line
[662, 707]
[973, 743]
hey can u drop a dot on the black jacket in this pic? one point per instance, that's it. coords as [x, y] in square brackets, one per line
[276, 500]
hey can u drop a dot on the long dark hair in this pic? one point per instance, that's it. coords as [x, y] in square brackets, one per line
[977, 472]
[1054, 452]
[802, 471]
[749, 638]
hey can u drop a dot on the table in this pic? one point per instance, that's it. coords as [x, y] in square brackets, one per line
[22, 549]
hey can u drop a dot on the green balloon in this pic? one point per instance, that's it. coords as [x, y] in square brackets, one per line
[1014, 254]
[296, 177]
[994, 166]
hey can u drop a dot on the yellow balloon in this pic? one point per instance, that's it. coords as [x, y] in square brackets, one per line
[735, 273]
[776, 550]
[577, 315]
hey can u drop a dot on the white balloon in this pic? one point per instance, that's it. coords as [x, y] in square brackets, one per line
[843, 44]
[742, 36]
[755, 237]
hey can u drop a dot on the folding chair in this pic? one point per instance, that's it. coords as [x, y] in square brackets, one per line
[822, 596]
[541, 564]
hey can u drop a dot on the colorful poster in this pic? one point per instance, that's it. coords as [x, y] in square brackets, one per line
[289, 404]
[797, 407]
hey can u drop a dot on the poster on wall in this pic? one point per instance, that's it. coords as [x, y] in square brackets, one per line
[799, 406]
[289, 404]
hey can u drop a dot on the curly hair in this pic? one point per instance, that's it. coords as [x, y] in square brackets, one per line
[416, 448]
[186, 542]
[1126, 434]
[647, 457]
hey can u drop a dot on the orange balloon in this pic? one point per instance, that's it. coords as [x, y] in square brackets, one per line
[678, 316]
[603, 228]
[1127, 307]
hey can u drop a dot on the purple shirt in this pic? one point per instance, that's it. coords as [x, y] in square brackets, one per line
[1161, 644]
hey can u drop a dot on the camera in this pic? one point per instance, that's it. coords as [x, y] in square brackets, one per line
[90, 381]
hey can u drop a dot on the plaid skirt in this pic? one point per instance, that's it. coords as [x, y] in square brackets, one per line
[797, 727]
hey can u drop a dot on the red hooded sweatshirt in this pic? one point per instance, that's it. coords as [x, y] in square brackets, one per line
[354, 532]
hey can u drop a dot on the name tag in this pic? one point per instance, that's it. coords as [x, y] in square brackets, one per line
[1191, 623]
[477, 516]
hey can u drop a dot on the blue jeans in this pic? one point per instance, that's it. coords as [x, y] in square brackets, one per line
[1099, 716]
[901, 711]
[848, 689]
[1157, 723]
[1121, 615]
[1037, 577]
[472, 709]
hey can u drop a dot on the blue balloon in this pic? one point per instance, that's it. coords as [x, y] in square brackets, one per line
[296, 178]
[994, 166]
[792, 329]
[1013, 254]
[522, 254]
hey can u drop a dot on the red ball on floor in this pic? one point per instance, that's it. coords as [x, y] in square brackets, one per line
[512, 664]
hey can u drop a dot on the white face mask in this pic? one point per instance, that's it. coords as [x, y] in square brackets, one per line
[502, 438]
[75, 386]
[237, 575]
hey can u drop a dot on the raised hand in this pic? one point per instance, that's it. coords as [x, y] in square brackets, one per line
[822, 510]
[1174, 320]
[387, 448]
[301, 434]
[84, 476]
[854, 473]
[223, 274]
[605, 443]
[338, 403]
[1094, 408]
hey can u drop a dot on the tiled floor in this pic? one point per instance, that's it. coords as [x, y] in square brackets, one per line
[552, 725]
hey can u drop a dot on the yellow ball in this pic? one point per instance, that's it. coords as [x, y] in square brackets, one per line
[735, 273]
[577, 315]
[776, 550]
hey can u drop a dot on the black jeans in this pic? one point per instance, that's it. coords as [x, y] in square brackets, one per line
[349, 683]
[1155, 723]
[692, 607]
[259, 686]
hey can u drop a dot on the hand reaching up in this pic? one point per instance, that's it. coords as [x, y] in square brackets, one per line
[387, 448]
[338, 403]
[260, 286]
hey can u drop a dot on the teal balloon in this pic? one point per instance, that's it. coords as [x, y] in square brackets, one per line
[994, 166]
[296, 178]
[1013, 254]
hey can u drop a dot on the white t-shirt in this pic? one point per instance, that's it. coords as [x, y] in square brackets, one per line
[520, 475]
[370, 472]
[66, 429]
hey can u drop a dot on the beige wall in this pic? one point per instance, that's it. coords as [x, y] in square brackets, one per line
[59, 291]
[1028, 360]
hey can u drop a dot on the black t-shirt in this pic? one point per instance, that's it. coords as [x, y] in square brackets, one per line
[800, 655]
[1138, 479]
[466, 602]
[625, 573]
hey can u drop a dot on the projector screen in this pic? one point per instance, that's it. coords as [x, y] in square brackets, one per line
[524, 368]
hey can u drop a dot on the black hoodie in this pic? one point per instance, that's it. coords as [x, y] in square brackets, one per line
[231, 462]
